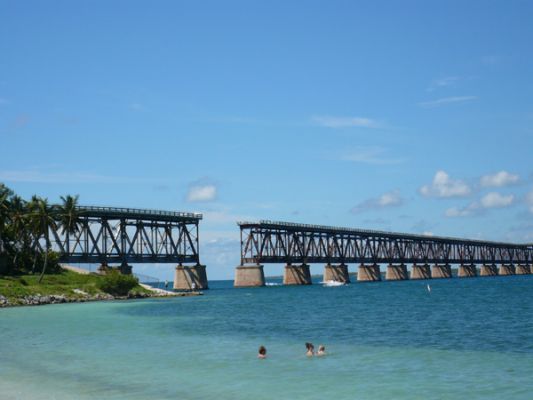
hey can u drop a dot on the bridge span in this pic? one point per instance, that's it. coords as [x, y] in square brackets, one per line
[107, 235]
[298, 245]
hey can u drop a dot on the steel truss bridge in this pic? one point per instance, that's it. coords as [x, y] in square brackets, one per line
[128, 235]
[284, 242]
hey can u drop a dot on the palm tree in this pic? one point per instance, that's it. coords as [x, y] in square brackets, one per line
[42, 219]
[69, 217]
[18, 225]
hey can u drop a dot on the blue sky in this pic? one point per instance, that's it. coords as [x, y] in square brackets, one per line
[412, 116]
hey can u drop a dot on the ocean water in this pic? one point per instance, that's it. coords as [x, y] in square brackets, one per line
[467, 339]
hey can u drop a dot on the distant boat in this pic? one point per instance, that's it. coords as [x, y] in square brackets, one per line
[333, 283]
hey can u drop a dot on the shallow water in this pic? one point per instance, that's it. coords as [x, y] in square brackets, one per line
[468, 338]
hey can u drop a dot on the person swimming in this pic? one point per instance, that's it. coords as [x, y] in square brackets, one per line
[262, 352]
[321, 350]
[310, 349]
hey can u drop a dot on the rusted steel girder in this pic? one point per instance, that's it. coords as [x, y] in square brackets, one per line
[283, 242]
[126, 235]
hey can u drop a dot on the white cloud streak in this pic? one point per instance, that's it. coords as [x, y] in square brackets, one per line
[345, 122]
[488, 201]
[443, 186]
[446, 101]
[442, 82]
[370, 155]
[499, 179]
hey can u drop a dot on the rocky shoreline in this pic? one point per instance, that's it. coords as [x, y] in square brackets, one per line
[82, 297]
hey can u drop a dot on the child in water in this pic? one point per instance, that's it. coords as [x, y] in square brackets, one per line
[310, 349]
[262, 352]
[321, 350]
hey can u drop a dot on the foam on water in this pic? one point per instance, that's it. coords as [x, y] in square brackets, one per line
[469, 338]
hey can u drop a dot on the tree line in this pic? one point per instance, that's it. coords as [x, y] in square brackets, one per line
[25, 226]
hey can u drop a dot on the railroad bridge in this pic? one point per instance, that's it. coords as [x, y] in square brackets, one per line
[107, 235]
[298, 245]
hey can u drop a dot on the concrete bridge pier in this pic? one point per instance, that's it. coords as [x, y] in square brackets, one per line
[522, 269]
[249, 276]
[421, 272]
[125, 269]
[297, 275]
[441, 271]
[507, 269]
[337, 273]
[396, 272]
[488, 270]
[467, 271]
[190, 277]
[368, 273]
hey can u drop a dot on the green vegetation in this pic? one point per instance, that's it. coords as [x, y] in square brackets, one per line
[69, 284]
[25, 228]
[117, 284]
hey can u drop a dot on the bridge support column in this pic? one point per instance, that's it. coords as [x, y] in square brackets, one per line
[368, 273]
[396, 272]
[249, 276]
[522, 269]
[507, 269]
[421, 272]
[441, 271]
[488, 270]
[337, 273]
[467, 271]
[125, 269]
[297, 275]
[189, 277]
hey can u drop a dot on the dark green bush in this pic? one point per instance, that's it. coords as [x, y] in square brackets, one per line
[117, 284]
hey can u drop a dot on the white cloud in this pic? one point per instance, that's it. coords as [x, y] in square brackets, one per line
[447, 100]
[345, 122]
[370, 155]
[490, 200]
[459, 212]
[496, 200]
[389, 199]
[198, 193]
[428, 233]
[499, 179]
[444, 186]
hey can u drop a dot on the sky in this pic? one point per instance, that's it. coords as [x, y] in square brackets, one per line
[411, 116]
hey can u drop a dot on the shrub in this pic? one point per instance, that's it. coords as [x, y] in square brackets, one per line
[117, 284]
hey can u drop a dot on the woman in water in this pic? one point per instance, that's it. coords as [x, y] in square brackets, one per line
[262, 352]
[321, 350]
[310, 349]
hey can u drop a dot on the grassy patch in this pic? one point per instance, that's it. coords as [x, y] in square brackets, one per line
[64, 283]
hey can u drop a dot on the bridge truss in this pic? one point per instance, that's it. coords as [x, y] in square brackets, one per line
[283, 242]
[127, 235]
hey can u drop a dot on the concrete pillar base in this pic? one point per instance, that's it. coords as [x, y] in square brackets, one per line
[368, 273]
[421, 272]
[297, 275]
[441, 271]
[467, 271]
[337, 273]
[103, 269]
[488, 270]
[249, 276]
[190, 277]
[522, 270]
[396, 272]
[507, 269]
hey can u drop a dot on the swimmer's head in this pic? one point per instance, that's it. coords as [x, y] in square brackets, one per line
[321, 348]
[262, 350]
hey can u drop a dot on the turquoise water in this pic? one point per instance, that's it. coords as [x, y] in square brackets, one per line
[467, 339]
